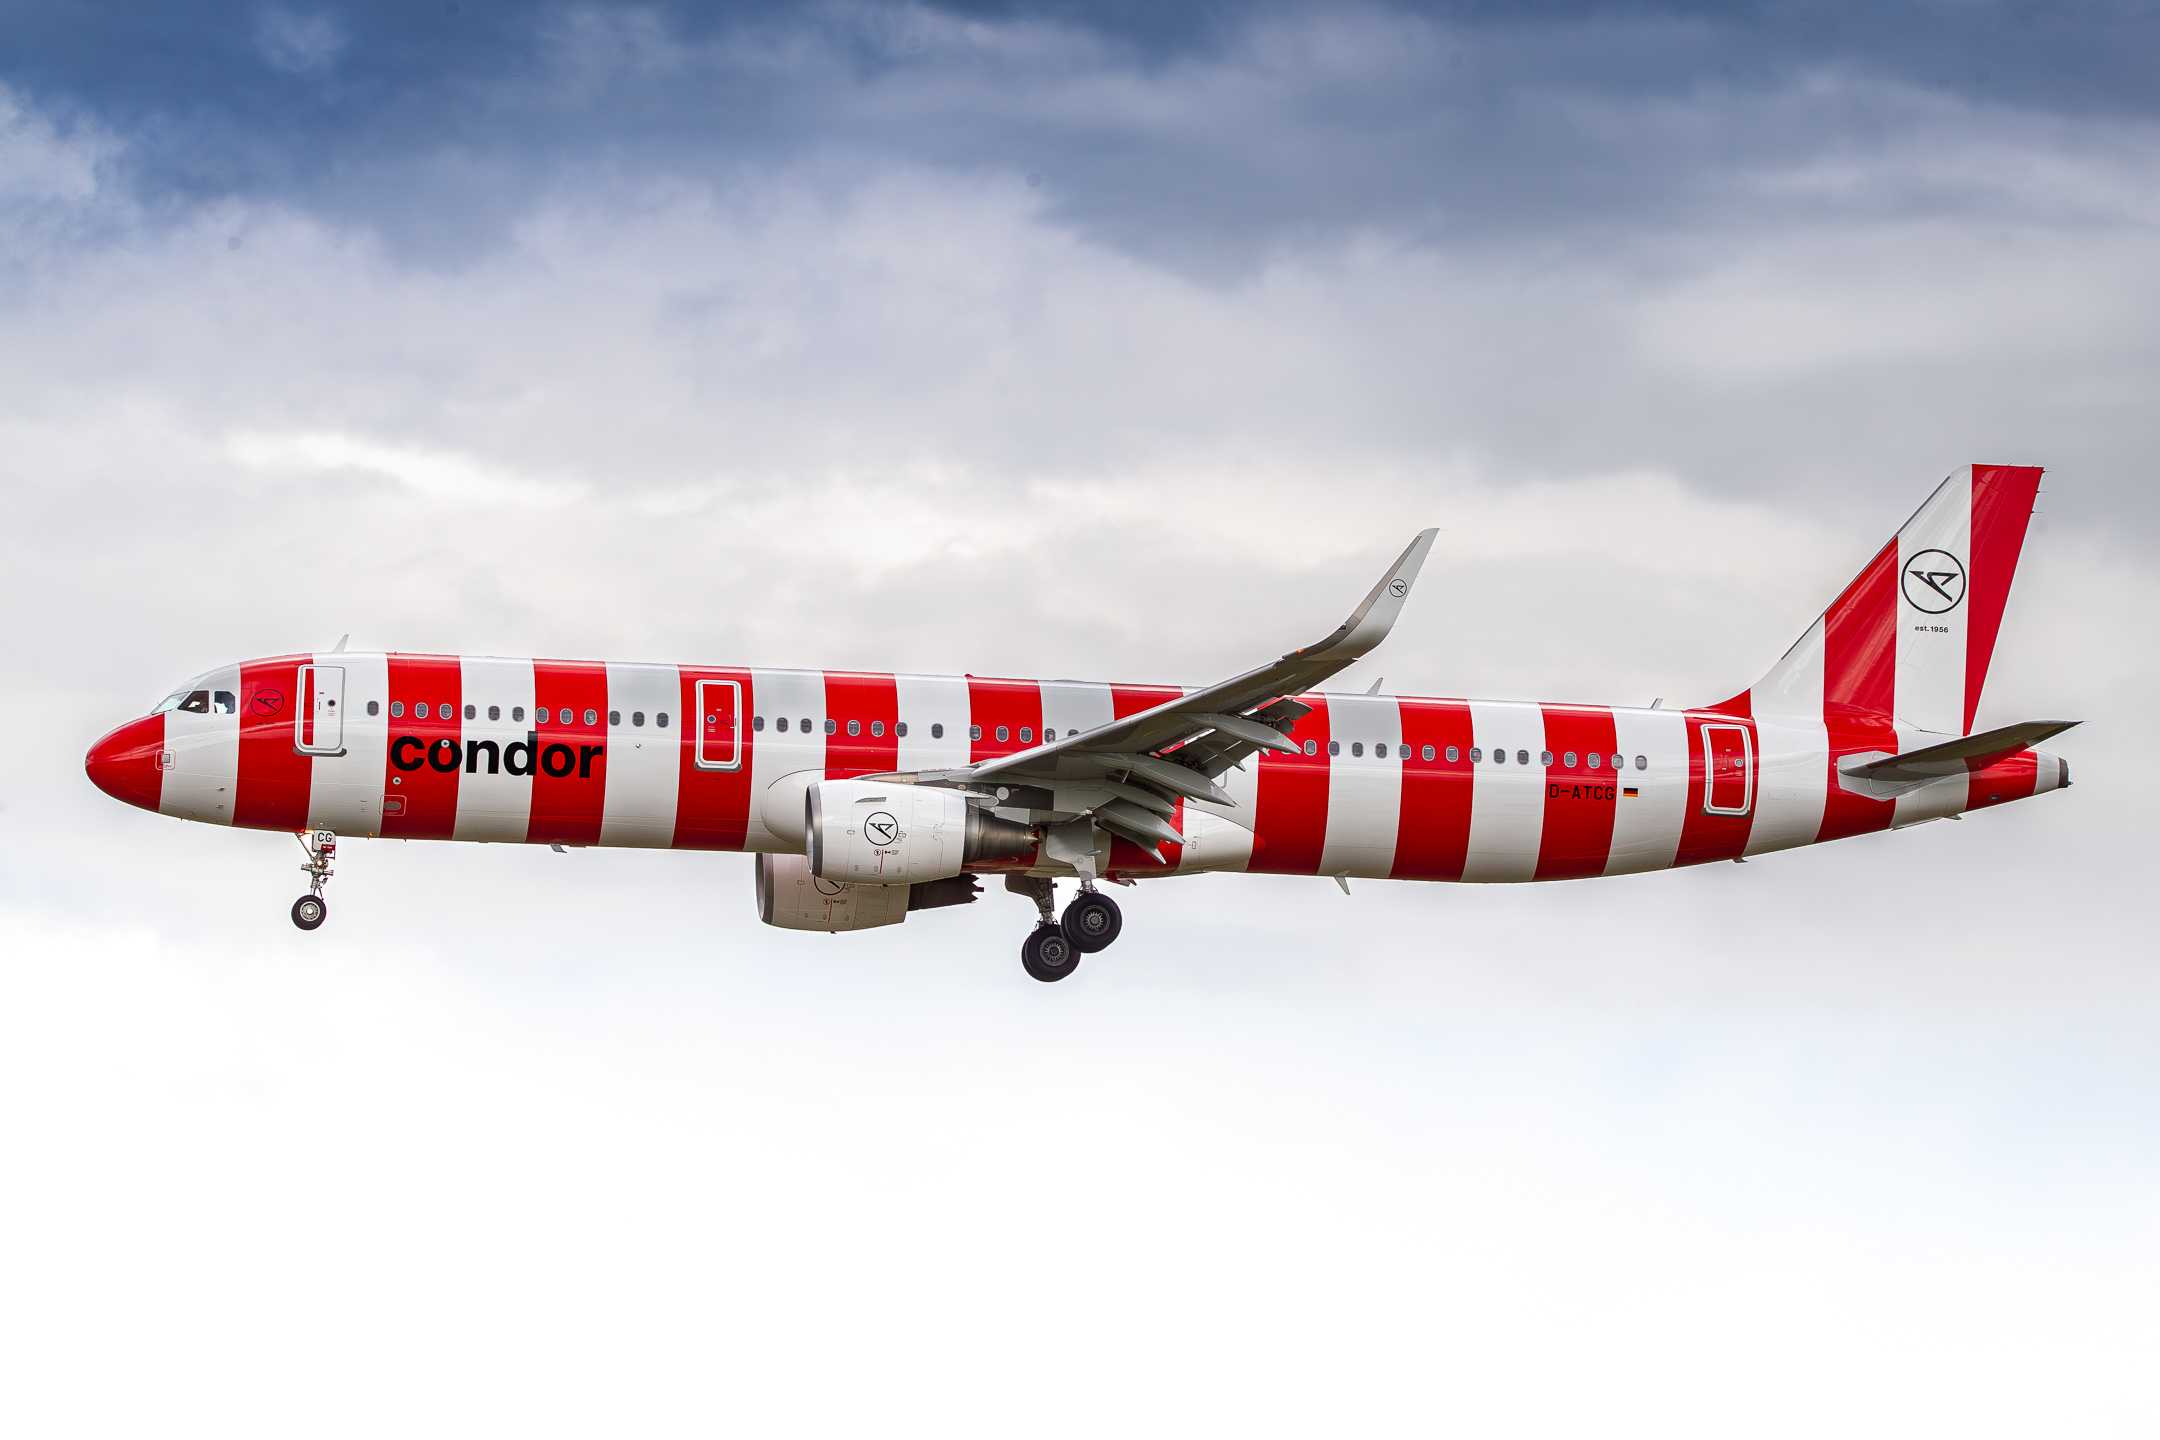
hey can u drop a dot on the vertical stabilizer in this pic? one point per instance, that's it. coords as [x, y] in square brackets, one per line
[1910, 638]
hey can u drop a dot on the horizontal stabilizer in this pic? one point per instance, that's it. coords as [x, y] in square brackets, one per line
[1885, 775]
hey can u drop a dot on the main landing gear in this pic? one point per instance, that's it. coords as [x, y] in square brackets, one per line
[309, 911]
[1053, 950]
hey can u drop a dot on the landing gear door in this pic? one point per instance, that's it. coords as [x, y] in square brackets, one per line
[1728, 770]
[320, 721]
[719, 722]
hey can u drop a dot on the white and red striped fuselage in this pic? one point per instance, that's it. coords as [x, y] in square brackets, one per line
[573, 753]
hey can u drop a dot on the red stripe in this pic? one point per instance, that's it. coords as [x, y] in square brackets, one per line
[2002, 503]
[1860, 640]
[1132, 699]
[1845, 813]
[271, 792]
[1719, 837]
[1014, 704]
[870, 703]
[1579, 802]
[712, 807]
[570, 756]
[124, 763]
[2013, 777]
[1290, 810]
[1433, 835]
[428, 792]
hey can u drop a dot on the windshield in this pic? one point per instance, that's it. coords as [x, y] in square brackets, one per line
[198, 698]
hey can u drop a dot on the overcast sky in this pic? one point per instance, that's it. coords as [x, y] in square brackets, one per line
[1125, 342]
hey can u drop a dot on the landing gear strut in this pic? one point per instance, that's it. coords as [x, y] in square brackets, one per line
[1046, 954]
[309, 911]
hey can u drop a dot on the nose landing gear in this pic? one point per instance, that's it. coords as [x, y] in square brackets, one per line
[309, 911]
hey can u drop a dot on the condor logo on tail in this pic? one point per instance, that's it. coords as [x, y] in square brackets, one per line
[1934, 582]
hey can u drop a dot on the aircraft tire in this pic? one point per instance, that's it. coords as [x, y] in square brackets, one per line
[1091, 922]
[309, 911]
[1047, 955]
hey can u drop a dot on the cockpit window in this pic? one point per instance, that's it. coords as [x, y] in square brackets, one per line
[195, 702]
[222, 702]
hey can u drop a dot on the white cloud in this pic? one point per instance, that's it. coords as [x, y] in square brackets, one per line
[298, 44]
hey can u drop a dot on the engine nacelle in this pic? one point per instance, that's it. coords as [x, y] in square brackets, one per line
[877, 833]
[789, 896]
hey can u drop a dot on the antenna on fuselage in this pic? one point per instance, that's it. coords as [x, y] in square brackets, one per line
[334, 649]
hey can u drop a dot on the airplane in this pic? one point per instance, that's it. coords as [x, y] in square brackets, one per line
[867, 797]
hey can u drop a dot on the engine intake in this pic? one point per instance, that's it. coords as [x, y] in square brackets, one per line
[874, 832]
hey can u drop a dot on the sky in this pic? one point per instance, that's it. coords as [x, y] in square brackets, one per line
[1108, 341]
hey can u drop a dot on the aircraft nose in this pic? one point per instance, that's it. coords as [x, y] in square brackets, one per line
[124, 763]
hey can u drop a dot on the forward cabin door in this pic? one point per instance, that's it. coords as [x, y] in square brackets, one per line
[719, 725]
[320, 724]
[1729, 771]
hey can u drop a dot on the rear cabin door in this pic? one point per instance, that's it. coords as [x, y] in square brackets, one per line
[1729, 781]
[321, 721]
[719, 725]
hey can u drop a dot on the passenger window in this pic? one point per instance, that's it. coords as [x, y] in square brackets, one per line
[854, 727]
[223, 703]
[1428, 753]
[832, 727]
[1522, 757]
[592, 717]
[899, 729]
[974, 732]
[877, 729]
[1380, 751]
[494, 712]
[397, 709]
[1477, 754]
[419, 710]
[517, 713]
[1499, 757]
[660, 719]
[937, 730]
[472, 712]
[757, 722]
[781, 724]
[1544, 757]
[1594, 758]
[1642, 762]
[1334, 747]
[374, 707]
[1312, 747]
[1027, 734]
[1357, 747]
[1003, 733]
[1454, 753]
[614, 717]
[1569, 759]
[637, 718]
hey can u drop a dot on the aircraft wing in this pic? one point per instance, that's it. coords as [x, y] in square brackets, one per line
[1176, 749]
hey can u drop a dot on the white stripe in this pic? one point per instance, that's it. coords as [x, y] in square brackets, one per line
[495, 807]
[926, 702]
[1931, 640]
[206, 757]
[1364, 791]
[1074, 705]
[1793, 750]
[1647, 824]
[345, 791]
[1507, 802]
[644, 762]
[798, 696]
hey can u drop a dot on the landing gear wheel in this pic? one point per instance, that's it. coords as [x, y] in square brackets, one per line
[1048, 955]
[308, 912]
[1091, 922]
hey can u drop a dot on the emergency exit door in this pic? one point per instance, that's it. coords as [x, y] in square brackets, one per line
[1729, 770]
[719, 722]
[320, 725]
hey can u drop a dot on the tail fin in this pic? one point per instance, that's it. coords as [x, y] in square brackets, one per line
[1910, 639]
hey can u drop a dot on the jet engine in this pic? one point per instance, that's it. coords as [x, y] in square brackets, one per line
[876, 833]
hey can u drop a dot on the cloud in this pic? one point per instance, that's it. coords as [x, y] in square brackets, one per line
[298, 44]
